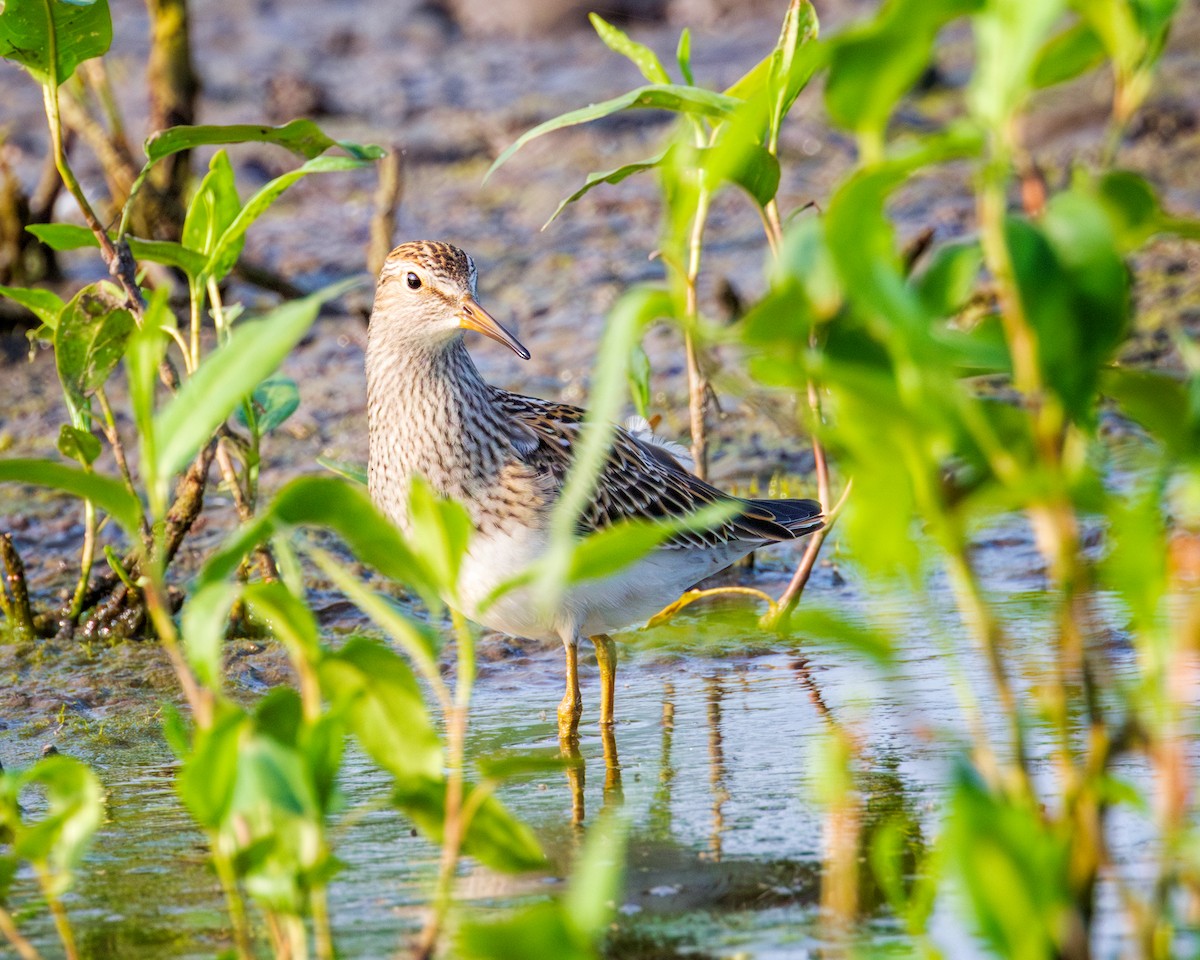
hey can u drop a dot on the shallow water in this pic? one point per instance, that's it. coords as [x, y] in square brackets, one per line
[716, 742]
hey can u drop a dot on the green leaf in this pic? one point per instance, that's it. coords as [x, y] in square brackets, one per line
[872, 65]
[290, 620]
[227, 375]
[610, 176]
[69, 236]
[876, 644]
[107, 494]
[590, 901]
[441, 530]
[639, 380]
[1136, 212]
[63, 236]
[385, 711]
[949, 281]
[1161, 404]
[213, 208]
[77, 444]
[203, 624]
[505, 766]
[300, 136]
[356, 472]
[75, 30]
[645, 59]
[683, 56]
[494, 836]
[43, 304]
[1071, 52]
[209, 773]
[1008, 38]
[673, 97]
[225, 251]
[342, 507]
[74, 810]
[539, 930]
[89, 341]
[274, 400]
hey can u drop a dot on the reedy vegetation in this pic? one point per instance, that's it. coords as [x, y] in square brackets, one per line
[886, 362]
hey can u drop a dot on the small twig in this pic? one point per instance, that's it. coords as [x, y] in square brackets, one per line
[8, 927]
[787, 602]
[17, 607]
[387, 202]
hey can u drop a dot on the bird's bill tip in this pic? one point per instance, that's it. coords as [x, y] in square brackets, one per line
[474, 317]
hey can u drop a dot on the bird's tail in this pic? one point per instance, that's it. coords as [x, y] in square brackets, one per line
[798, 517]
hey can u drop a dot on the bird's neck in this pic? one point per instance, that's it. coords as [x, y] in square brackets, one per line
[429, 412]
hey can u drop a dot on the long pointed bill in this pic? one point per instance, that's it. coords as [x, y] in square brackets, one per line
[474, 317]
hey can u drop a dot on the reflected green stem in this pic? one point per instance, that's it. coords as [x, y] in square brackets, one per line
[233, 899]
[61, 922]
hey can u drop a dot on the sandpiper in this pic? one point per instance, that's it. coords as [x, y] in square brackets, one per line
[505, 458]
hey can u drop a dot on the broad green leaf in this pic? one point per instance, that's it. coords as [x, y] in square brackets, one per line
[43, 304]
[610, 176]
[89, 341]
[209, 773]
[31, 31]
[342, 507]
[274, 400]
[441, 530]
[1071, 52]
[213, 208]
[591, 899]
[231, 372]
[300, 136]
[494, 837]
[107, 494]
[872, 65]
[645, 59]
[1014, 869]
[809, 621]
[949, 280]
[203, 625]
[74, 810]
[796, 58]
[63, 236]
[356, 472]
[1136, 212]
[289, 619]
[505, 766]
[228, 246]
[1008, 38]
[69, 236]
[1160, 403]
[385, 710]
[539, 930]
[143, 356]
[673, 97]
[77, 444]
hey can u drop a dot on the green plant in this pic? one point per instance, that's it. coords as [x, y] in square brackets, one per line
[106, 323]
[892, 350]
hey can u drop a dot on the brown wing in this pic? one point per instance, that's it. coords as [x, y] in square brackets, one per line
[641, 481]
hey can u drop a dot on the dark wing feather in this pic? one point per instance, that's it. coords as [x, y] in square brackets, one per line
[642, 481]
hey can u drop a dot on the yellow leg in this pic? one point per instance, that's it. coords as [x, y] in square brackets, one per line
[571, 708]
[613, 794]
[606, 659]
[575, 775]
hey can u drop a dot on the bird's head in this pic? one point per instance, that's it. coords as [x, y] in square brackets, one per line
[426, 295]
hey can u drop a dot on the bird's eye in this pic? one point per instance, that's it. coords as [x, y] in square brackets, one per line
[413, 281]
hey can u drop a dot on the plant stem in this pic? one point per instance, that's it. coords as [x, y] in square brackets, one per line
[86, 560]
[322, 931]
[697, 381]
[25, 949]
[233, 899]
[113, 435]
[61, 922]
[454, 824]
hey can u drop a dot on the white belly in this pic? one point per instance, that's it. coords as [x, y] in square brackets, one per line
[624, 599]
